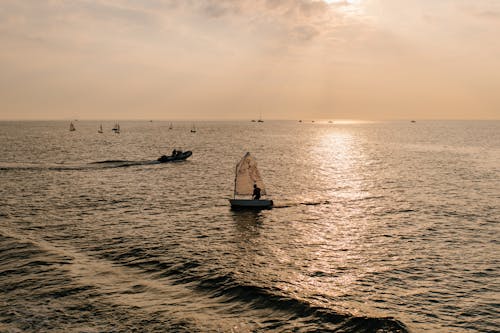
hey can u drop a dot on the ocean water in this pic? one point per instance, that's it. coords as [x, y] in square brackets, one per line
[378, 227]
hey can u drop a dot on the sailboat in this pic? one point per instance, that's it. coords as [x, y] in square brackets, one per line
[116, 128]
[247, 177]
[193, 129]
[71, 127]
[260, 119]
[171, 126]
[99, 130]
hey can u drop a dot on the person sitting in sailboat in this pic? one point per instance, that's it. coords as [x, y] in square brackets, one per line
[256, 192]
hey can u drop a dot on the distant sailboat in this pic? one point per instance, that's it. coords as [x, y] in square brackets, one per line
[116, 128]
[193, 129]
[71, 127]
[99, 130]
[171, 126]
[260, 119]
[247, 177]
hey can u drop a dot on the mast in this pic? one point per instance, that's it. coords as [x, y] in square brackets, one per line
[235, 178]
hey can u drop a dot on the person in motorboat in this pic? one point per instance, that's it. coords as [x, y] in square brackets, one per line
[256, 192]
[174, 152]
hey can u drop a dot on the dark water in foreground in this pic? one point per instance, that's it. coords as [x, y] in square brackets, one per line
[379, 227]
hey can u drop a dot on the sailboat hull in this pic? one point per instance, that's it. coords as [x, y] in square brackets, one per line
[250, 204]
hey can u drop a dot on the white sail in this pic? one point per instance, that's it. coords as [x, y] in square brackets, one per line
[71, 126]
[247, 175]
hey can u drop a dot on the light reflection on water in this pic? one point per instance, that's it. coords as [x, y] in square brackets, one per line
[343, 165]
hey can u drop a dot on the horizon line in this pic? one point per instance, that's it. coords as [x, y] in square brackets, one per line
[248, 119]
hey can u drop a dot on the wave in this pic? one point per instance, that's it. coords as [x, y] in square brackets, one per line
[37, 272]
[289, 311]
[273, 301]
[42, 287]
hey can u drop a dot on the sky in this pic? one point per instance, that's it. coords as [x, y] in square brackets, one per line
[239, 59]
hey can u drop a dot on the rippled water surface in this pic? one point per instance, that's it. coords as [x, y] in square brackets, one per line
[378, 227]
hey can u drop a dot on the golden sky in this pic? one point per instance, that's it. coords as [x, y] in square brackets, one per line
[230, 59]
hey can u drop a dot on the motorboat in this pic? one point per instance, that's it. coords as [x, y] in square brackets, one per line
[176, 156]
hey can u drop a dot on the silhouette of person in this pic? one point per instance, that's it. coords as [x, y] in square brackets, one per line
[256, 192]
[174, 152]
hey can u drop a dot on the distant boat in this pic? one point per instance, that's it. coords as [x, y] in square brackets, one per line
[99, 130]
[177, 155]
[193, 129]
[260, 119]
[116, 128]
[171, 126]
[300, 121]
[253, 120]
[71, 127]
[247, 175]
[413, 121]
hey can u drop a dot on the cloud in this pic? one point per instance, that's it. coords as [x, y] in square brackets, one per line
[305, 33]
[225, 56]
[483, 9]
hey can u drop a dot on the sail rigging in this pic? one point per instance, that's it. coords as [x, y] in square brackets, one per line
[247, 174]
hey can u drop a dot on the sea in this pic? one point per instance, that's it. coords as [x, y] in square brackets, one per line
[377, 227]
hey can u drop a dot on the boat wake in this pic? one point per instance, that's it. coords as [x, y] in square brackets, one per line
[278, 204]
[107, 164]
[122, 163]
